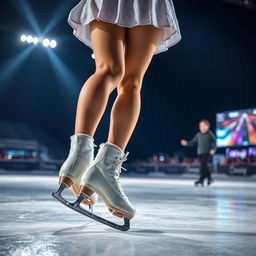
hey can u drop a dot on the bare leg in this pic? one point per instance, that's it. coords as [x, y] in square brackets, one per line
[108, 46]
[139, 50]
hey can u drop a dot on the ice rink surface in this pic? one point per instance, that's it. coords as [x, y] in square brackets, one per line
[173, 218]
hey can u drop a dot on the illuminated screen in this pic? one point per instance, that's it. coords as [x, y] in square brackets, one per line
[236, 128]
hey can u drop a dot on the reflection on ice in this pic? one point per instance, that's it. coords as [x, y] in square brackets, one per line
[173, 218]
[30, 246]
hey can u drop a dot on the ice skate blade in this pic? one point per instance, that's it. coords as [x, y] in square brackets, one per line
[61, 199]
[198, 183]
[76, 207]
[58, 196]
[210, 183]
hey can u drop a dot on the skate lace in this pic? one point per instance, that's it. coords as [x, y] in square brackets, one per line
[117, 171]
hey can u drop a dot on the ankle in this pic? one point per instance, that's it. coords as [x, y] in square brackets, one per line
[81, 135]
[116, 146]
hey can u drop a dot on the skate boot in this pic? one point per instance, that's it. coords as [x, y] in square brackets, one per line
[199, 182]
[102, 177]
[210, 181]
[79, 159]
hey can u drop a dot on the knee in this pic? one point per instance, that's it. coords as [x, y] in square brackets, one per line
[130, 84]
[113, 73]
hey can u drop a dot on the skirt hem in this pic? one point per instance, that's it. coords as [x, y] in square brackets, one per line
[171, 40]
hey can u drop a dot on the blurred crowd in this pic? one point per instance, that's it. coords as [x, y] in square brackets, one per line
[19, 154]
[221, 159]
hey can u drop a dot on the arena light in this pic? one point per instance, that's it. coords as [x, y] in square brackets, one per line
[161, 158]
[35, 40]
[23, 38]
[53, 43]
[46, 42]
[29, 39]
[38, 40]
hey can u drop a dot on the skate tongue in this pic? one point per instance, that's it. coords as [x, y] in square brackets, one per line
[123, 157]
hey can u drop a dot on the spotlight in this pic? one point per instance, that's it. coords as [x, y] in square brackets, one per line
[29, 39]
[46, 42]
[38, 40]
[23, 38]
[35, 40]
[53, 43]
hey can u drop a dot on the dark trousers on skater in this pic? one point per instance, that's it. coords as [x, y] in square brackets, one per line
[204, 169]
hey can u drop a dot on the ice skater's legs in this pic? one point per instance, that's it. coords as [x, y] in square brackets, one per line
[122, 56]
[204, 169]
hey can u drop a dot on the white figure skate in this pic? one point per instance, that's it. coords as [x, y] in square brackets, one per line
[79, 159]
[102, 177]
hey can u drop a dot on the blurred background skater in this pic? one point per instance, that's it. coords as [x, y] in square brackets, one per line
[206, 146]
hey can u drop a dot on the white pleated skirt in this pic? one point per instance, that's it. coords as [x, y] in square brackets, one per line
[127, 13]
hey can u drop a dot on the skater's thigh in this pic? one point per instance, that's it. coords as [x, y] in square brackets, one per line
[139, 49]
[108, 45]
